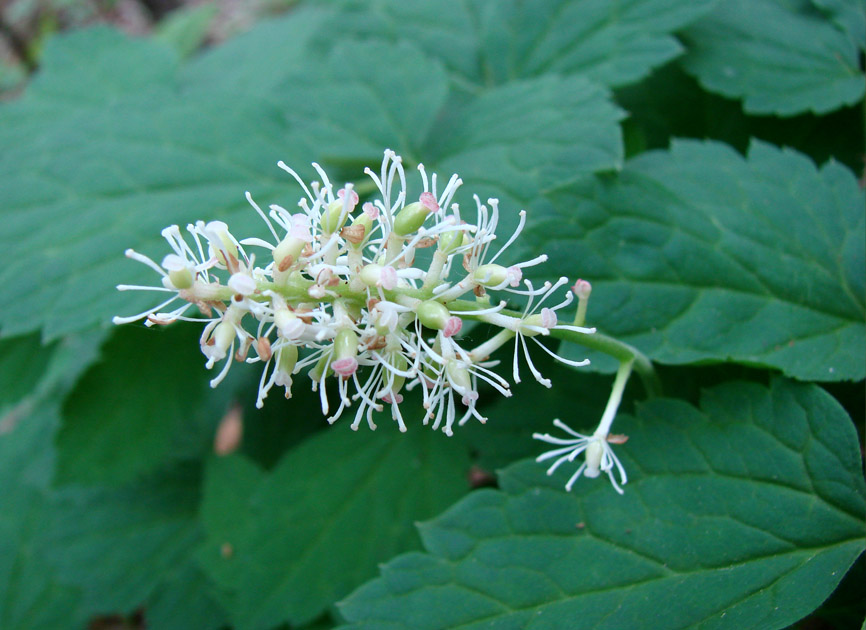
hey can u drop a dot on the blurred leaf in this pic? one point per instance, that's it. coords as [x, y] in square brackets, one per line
[849, 15]
[286, 544]
[487, 43]
[31, 595]
[779, 56]
[743, 515]
[117, 545]
[252, 64]
[185, 599]
[697, 254]
[146, 403]
[185, 29]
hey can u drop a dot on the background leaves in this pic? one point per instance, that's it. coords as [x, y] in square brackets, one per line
[751, 506]
[701, 254]
[112, 500]
[781, 57]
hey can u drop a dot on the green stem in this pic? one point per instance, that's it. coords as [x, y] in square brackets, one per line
[615, 348]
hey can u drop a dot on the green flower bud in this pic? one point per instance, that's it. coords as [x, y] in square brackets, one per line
[345, 344]
[288, 252]
[181, 278]
[288, 358]
[412, 216]
[450, 241]
[433, 314]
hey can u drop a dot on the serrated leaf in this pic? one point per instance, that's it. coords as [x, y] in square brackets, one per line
[698, 254]
[488, 43]
[288, 546]
[89, 178]
[137, 410]
[389, 109]
[745, 514]
[779, 56]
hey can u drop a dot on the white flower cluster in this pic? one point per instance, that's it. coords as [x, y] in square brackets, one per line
[340, 297]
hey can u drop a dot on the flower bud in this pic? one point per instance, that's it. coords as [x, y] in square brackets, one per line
[222, 245]
[582, 289]
[374, 275]
[179, 273]
[287, 252]
[493, 275]
[412, 216]
[435, 315]
[333, 218]
[593, 455]
[289, 325]
[450, 241]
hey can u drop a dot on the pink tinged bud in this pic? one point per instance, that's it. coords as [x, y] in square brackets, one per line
[353, 197]
[548, 318]
[345, 367]
[289, 325]
[242, 283]
[452, 326]
[515, 275]
[429, 201]
[374, 275]
[582, 289]
[387, 278]
[371, 210]
[301, 227]
[469, 398]
[396, 399]
[173, 262]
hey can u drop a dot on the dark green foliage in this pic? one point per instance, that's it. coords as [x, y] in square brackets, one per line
[741, 247]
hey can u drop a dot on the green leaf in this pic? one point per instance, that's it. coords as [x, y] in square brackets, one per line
[136, 410]
[510, 142]
[487, 43]
[185, 29]
[89, 178]
[389, 109]
[780, 56]
[516, 141]
[185, 599]
[849, 15]
[254, 63]
[698, 254]
[286, 545]
[118, 545]
[745, 514]
[92, 172]
[31, 595]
